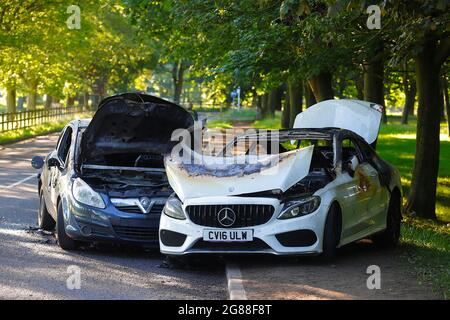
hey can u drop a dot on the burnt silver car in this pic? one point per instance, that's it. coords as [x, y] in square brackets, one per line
[105, 179]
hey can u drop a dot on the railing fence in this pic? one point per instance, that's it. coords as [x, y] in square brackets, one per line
[25, 119]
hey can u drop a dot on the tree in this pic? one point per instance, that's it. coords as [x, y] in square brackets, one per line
[419, 33]
[410, 90]
[295, 89]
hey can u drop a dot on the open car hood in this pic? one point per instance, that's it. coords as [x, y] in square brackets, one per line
[228, 176]
[361, 117]
[132, 122]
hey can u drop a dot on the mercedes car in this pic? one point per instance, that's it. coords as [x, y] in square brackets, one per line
[105, 180]
[306, 190]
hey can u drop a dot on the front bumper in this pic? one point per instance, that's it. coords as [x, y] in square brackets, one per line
[85, 223]
[297, 236]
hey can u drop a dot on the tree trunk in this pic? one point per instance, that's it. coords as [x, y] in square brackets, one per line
[281, 90]
[373, 84]
[322, 87]
[80, 100]
[11, 99]
[274, 101]
[259, 107]
[86, 101]
[359, 84]
[48, 101]
[32, 96]
[296, 100]
[442, 97]
[177, 77]
[309, 95]
[70, 102]
[446, 101]
[285, 113]
[264, 105]
[422, 197]
[410, 89]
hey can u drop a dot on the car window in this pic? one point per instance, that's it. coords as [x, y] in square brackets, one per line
[60, 137]
[64, 146]
[350, 149]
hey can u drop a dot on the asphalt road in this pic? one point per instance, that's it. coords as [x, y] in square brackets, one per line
[32, 266]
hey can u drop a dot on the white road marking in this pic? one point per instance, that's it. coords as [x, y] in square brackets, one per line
[15, 184]
[236, 290]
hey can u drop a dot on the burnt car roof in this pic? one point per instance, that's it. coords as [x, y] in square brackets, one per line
[300, 133]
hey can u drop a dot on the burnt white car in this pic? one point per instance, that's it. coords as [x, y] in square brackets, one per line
[324, 187]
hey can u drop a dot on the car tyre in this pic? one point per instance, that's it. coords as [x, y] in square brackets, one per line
[390, 236]
[64, 241]
[45, 220]
[331, 235]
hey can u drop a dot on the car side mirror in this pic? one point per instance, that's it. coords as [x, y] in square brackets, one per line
[352, 165]
[37, 162]
[54, 162]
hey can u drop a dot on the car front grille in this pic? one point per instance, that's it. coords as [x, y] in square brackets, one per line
[247, 215]
[255, 245]
[136, 233]
[156, 209]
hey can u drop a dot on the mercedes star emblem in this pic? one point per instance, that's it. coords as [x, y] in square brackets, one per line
[226, 217]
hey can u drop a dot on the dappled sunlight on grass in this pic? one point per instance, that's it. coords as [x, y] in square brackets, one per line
[397, 144]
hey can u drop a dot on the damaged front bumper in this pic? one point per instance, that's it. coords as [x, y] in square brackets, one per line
[297, 236]
[112, 224]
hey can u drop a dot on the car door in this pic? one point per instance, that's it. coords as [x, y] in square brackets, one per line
[61, 153]
[48, 174]
[355, 191]
[377, 203]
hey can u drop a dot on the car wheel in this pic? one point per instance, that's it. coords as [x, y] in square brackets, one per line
[390, 236]
[330, 235]
[45, 220]
[64, 241]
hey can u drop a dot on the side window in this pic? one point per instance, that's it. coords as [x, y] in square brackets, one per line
[350, 149]
[367, 152]
[64, 145]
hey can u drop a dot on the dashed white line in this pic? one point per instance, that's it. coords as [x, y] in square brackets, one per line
[236, 289]
[15, 184]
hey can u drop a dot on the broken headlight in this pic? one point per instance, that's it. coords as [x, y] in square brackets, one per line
[301, 207]
[83, 193]
[174, 209]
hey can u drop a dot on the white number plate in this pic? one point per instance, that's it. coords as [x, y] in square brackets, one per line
[220, 235]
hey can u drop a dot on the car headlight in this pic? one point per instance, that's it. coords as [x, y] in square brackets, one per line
[301, 207]
[83, 193]
[174, 209]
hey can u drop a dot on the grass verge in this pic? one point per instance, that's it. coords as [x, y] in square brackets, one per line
[427, 246]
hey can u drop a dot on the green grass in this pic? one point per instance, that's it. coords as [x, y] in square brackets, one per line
[427, 248]
[397, 145]
[225, 120]
[269, 123]
[20, 134]
[220, 124]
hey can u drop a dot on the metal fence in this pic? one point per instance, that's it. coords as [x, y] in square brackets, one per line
[25, 119]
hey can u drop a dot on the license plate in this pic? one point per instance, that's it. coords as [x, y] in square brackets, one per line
[228, 235]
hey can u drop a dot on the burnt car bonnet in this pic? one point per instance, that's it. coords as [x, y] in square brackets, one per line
[130, 123]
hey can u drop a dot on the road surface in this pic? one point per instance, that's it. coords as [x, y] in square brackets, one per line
[32, 266]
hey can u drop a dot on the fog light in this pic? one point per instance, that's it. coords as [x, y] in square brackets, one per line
[86, 230]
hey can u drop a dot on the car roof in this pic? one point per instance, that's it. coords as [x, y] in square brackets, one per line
[293, 133]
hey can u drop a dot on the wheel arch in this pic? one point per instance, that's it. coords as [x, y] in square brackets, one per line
[335, 204]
